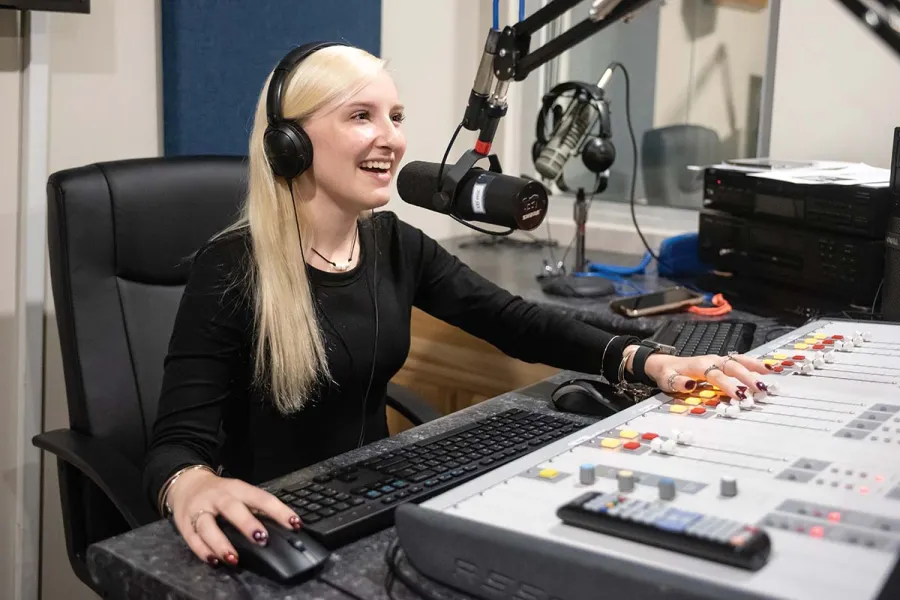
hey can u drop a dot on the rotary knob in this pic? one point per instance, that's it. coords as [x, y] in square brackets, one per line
[728, 487]
[626, 481]
[666, 488]
[586, 474]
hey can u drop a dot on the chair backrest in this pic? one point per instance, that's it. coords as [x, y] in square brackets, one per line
[121, 236]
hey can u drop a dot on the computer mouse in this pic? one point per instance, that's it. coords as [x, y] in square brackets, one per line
[588, 397]
[288, 557]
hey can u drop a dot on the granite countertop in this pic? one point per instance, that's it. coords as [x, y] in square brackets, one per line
[153, 561]
[514, 265]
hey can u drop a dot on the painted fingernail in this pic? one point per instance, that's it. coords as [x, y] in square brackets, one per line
[212, 560]
[763, 387]
[690, 384]
[769, 367]
[260, 536]
[295, 522]
[231, 559]
[741, 393]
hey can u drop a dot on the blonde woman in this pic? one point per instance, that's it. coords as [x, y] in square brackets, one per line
[295, 318]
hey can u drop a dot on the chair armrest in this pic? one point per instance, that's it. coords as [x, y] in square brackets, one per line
[410, 405]
[114, 474]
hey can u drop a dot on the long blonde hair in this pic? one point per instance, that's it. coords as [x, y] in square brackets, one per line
[289, 357]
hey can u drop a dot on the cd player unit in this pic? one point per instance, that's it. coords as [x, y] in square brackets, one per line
[852, 209]
[832, 265]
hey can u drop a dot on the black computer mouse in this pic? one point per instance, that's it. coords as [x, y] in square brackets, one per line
[288, 557]
[588, 397]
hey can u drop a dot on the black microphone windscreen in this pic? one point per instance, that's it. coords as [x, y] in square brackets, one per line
[417, 182]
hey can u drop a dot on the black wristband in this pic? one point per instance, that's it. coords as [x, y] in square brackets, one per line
[637, 366]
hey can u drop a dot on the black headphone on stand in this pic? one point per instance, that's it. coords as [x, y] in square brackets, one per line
[597, 151]
[288, 148]
[289, 152]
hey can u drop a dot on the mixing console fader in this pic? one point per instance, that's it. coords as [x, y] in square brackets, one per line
[794, 493]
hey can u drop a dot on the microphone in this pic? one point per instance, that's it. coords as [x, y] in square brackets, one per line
[580, 115]
[483, 196]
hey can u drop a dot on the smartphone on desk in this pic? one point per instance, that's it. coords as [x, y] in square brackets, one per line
[654, 303]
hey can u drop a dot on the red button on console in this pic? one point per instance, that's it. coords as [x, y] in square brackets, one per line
[698, 410]
[632, 445]
[649, 436]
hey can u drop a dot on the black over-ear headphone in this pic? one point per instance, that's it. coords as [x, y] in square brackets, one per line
[288, 148]
[597, 151]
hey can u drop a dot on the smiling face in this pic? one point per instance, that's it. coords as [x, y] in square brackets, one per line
[357, 146]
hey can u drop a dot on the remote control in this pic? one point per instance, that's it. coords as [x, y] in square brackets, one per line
[662, 525]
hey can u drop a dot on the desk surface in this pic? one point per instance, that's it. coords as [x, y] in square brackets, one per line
[153, 561]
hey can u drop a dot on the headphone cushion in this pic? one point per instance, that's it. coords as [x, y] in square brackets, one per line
[598, 155]
[288, 149]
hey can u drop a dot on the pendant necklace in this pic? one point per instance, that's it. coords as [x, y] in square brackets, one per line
[341, 267]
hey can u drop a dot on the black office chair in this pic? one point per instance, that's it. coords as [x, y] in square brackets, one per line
[119, 237]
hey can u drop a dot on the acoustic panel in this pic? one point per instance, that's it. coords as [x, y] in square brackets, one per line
[216, 55]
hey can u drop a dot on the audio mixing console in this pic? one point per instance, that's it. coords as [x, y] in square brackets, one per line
[793, 494]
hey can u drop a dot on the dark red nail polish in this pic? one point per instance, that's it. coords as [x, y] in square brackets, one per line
[741, 393]
[295, 522]
[690, 384]
[769, 367]
[260, 536]
[762, 386]
[212, 560]
[231, 559]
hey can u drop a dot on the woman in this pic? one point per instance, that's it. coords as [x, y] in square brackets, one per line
[295, 319]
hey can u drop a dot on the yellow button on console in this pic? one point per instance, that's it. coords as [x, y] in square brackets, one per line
[799, 346]
[693, 401]
[820, 336]
[628, 434]
[677, 408]
[779, 356]
[809, 341]
[610, 443]
[707, 394]
[770, 361]
[548, 473]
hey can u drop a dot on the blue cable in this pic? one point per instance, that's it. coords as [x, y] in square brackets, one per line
[496, 15]
[521, 10]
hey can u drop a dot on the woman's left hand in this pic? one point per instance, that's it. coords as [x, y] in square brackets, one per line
[736, 374]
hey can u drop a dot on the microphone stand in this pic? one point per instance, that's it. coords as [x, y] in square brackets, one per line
[580, 211]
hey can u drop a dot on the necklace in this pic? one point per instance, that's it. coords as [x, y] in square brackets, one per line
[343, 266]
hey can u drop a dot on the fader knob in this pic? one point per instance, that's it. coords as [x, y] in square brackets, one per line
[867, 336]
[626, 481]
[829, 357]
[586, 474]
[728, 487]
[666, 489]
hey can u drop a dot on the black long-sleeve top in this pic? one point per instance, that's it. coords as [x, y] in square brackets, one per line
[210, 411]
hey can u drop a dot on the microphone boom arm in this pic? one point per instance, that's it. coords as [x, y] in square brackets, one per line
[510, 58]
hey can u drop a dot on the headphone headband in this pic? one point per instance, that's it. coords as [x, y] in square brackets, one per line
[282, 72]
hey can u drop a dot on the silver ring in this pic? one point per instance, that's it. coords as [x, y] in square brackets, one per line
[671, 381]
[724, 362]
[711, 368]
[196, 516]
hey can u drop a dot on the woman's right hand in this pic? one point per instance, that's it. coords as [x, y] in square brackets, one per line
[198, 496]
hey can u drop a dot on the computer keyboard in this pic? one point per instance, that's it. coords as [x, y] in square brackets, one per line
[693, 338]
[355, 501]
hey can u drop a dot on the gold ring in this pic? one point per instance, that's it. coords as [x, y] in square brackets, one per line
[196, 516]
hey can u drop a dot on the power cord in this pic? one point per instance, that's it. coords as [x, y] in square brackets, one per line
[339, 588]
[392, 558]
